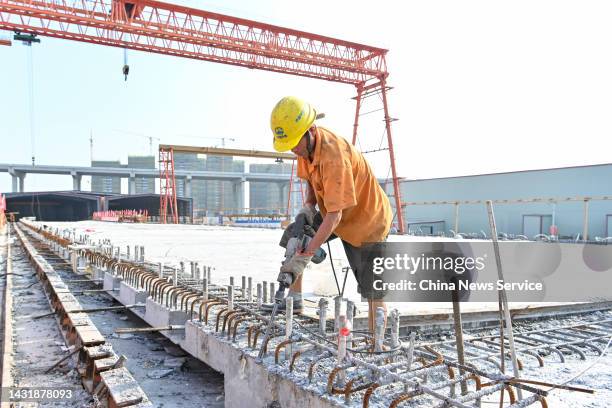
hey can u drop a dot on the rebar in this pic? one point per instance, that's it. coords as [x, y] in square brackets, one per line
[333, 359]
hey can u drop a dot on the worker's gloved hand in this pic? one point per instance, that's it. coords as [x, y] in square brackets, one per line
[296, 264]
[310, 212]
[295, 261]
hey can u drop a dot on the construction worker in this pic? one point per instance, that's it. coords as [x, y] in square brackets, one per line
[341, 183]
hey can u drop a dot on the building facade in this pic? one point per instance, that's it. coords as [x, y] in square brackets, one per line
[195, 189]
[224, 196]
[143, 185]
[210, 197]
[106, 184]
[271, 198]
[578, 183]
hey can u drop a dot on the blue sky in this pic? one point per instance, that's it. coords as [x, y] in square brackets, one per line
[479, 86]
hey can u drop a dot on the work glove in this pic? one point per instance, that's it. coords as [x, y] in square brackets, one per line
[310, 212]
[296, 264]
[295, 261]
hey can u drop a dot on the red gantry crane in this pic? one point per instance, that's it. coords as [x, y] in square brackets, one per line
[163, 28]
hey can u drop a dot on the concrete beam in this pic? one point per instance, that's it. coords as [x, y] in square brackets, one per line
[144, 173]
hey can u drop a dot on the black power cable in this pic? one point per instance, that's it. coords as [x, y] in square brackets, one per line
[331, 261]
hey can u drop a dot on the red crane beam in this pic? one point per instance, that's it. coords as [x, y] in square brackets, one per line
[153, 26]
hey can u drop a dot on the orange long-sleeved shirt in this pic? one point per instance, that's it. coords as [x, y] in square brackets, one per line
[342, 180]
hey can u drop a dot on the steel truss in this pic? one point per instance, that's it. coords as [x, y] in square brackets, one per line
[169, 29]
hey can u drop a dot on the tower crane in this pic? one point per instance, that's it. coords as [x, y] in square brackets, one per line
[222, 139]
[151, 138]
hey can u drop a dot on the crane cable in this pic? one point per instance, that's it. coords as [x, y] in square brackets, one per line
[31, 101]
[126, 67]
[30, 68]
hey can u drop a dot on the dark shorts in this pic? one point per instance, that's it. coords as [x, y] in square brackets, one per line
[354, 255]
[363, 276]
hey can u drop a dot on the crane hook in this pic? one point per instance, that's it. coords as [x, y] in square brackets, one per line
[126, 70]
[126, 67]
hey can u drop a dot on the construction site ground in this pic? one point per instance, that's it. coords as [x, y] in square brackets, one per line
[171, 377]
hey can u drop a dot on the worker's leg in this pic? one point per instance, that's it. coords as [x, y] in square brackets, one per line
[354, 254]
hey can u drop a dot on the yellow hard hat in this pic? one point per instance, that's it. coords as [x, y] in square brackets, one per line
[290, 119]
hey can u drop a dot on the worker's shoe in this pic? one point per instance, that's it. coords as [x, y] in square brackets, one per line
[298, 306]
